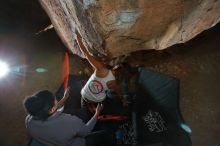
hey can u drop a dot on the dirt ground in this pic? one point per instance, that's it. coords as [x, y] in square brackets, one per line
[195, 63]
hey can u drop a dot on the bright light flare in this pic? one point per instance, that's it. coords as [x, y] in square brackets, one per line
[3, 69]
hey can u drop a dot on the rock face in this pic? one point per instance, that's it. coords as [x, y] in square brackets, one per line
[118, 27]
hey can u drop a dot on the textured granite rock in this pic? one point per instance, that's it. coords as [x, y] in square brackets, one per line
[118, 27]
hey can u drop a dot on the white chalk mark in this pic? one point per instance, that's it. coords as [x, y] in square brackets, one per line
[122, 20]
[88, 3]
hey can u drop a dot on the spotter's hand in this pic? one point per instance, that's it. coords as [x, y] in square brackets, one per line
[64, 99]
[67, 92]
[98, 109]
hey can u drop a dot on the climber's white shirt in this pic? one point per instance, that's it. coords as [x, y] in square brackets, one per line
[94, 89]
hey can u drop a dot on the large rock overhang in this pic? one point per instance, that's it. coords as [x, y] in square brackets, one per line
[112, 28]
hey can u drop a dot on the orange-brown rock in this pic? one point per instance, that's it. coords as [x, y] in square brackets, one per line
[118, 27]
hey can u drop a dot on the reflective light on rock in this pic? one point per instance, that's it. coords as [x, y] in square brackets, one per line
[41, 70]
[186, 128]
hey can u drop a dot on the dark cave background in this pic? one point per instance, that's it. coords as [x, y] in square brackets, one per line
[195, 63]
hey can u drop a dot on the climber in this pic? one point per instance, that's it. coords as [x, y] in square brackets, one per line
[101, 81]
[127, 76]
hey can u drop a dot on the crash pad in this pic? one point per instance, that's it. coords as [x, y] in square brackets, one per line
[157, 107]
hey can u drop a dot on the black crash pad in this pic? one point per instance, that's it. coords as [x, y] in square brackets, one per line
[157, 109]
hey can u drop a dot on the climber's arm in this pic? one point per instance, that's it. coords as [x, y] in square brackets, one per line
[97, 65]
